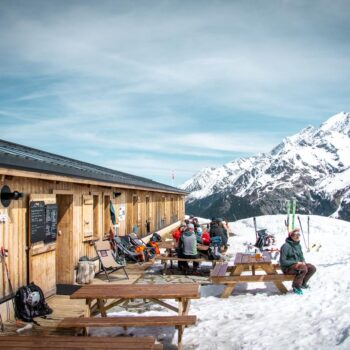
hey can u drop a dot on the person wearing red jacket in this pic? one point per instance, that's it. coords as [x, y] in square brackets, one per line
[177, 233]
[205, 238]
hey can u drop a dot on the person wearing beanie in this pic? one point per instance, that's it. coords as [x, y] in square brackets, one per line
[292, 262]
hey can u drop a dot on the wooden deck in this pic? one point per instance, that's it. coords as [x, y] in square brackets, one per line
[64, 307]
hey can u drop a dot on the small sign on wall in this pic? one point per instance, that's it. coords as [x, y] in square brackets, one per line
[43, 222]
[3, 217]
[51, 223]
[37, 221]
[121, 213]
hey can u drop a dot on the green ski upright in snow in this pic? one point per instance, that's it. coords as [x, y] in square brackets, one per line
[294, 205]
[291, 208]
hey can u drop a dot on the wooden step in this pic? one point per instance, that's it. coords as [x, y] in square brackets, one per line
[74, 343]
[127, 321]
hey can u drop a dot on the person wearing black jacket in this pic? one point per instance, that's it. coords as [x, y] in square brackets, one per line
[216, 230]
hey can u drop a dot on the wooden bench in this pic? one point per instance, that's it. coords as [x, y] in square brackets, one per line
[219, 274]
[164, 259]
[219, 270]
[179, 322]
[78, 343]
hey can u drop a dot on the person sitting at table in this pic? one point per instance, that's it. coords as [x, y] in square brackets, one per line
[205, 237]
[198, 230]
[216, 230]
[178, 232]
[187, 249]
[292, 262]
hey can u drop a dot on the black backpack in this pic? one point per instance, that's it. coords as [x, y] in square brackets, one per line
[260, 242]
[30, 303]
[156, 237]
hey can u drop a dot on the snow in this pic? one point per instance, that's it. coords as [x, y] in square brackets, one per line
[256, 317]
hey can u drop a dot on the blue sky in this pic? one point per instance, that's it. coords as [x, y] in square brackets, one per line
[152, 87]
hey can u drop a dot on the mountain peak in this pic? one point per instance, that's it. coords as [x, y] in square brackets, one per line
[338, 123]
[312, 166]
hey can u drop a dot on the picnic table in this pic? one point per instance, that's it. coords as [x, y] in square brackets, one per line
[182, 293]
[249, 262]
[170, 246]
[171, 254]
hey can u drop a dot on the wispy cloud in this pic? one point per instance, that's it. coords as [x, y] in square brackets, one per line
[169, 79]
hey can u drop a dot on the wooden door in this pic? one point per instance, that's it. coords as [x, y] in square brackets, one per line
[64, 243]
[42, 257]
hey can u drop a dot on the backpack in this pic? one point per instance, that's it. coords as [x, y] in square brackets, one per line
[216, 241]
[213, 253]
[85, 271]
[156, 237]
[155, 247]
[260, 242]
[30, 303]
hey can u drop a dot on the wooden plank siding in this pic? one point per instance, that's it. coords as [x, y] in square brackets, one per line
[89, 212]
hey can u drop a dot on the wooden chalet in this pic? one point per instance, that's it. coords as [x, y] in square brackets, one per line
[52, 207]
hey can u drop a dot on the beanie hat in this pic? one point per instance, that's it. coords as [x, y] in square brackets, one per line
[190, 227]
[296, 230]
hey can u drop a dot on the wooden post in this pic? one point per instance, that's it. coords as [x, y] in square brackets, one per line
[180, 330]
[236, 271]
[101, 306]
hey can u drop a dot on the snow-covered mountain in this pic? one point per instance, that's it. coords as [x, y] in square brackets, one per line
[313, 166]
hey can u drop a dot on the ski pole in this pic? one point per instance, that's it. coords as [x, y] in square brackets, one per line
[256, 232]
[2, 327]
[3, 252]
[302, 231]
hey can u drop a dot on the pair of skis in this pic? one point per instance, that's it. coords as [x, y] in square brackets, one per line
[291, 208]
[290, 223]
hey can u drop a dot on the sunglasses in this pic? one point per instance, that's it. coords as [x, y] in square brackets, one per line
[296, 234]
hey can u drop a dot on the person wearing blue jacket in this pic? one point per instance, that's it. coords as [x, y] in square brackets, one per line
[292, 262]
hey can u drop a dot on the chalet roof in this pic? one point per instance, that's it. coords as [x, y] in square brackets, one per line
[20, 157]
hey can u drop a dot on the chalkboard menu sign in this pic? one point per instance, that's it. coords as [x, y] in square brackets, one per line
[37, 221]
[51, 223]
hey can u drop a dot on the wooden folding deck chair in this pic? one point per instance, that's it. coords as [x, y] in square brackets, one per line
[106, 259]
